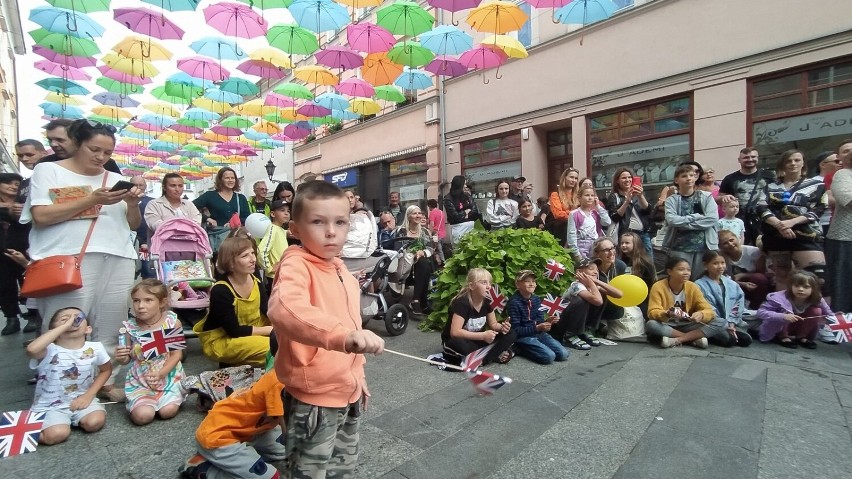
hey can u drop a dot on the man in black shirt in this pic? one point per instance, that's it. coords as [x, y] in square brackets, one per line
[746, 185]
[57, 137]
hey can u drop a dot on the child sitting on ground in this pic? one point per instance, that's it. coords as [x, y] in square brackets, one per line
[792, 318]
[152, 385]
[240, 434]
[678, 312]
[528, 322]
[71, 371]
[575, 321]
[727, 299]
[472, 324]
[316, 316]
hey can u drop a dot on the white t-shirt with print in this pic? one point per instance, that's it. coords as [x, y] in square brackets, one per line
[574, 290]
[475, 325]
[65, 374]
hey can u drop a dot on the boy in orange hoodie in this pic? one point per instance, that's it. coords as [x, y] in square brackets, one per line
[315, 312]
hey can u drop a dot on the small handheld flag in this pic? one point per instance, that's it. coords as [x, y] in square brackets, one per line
[553, 306]
[160, 341]
[841, 326]
[498, 300]
[554, 269]
[19, 432]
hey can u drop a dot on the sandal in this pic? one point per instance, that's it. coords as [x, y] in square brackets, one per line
[577, 343]
[505, 356]
[787, 343]
[590, 340]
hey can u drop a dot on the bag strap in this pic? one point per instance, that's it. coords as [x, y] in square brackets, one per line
[91, 226]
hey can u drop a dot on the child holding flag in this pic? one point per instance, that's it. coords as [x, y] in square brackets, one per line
[152, 385]
[528, 322]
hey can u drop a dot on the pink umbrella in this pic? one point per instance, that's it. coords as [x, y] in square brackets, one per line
[148, 22]
[233, 145]
[355, 87]
[157, 154]
[226, 130]
[246, 152]
[185, 129]
[262, 69]
[122, 77]
[312, 109]
[71, 61]
[279, 101]
[236, 20]
[295, 132]
[204, 68]
[481, 58]
[339, 57]
[546, 3]
[369, 37]
[147, 126]
[127, 149]
[62, 71]
[447, 66]
[456, 6]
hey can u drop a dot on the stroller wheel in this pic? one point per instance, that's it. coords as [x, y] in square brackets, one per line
[396, 319]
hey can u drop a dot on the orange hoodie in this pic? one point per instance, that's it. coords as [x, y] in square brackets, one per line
[314, 306]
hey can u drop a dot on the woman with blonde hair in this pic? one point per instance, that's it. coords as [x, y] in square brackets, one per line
[421, 267]
[562, 202]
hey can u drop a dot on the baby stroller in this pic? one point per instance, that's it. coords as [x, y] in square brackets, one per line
[380, 303]
[180, 254]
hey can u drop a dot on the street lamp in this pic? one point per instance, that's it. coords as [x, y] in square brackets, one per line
[270, 170]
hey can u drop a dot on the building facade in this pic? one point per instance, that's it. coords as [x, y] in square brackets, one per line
[11, 44]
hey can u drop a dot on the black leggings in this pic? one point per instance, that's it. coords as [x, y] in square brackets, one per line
[11, 275]
[455, 349]
[422, 270]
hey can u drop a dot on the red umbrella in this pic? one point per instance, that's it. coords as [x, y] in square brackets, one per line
[71, 61]
[236, 20]
[62, 71]
[204, 68]
[339, 57]
[369, 37]
[122, 77]
[148, 22]
[355, 87]
[447, 66]
[262, 69]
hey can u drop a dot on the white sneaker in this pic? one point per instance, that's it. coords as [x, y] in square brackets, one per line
[700, 343]
[826, 335]
[667, 342]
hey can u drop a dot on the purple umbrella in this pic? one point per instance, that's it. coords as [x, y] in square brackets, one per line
[339, 57]
[456, 6]
[226, 130]
[312, 109]
[447, 66]
[61, 71]
[369, 37]
[233, 145]
[115, 99]
[204, 68]
[296, 131]
[236, 20]
[185, 129]
[262, 69]
[148, 22]
[71, 61]
[355, 87]
[122, 77]
[481, 58]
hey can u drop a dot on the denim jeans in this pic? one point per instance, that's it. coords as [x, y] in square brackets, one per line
[541, 348]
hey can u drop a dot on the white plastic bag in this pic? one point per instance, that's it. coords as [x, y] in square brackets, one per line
[631, 325]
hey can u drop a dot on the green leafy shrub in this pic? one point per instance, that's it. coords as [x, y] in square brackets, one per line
[503, 253]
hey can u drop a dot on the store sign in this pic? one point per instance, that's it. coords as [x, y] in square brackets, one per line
[343, 179]
[411, 193]
[408, 165]
[804, 127]
[493, 172]
[641, 151]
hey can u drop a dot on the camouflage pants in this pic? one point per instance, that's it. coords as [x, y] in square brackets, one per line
[321, 442]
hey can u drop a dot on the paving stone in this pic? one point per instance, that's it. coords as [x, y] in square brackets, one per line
[381, 452]
[826, 358]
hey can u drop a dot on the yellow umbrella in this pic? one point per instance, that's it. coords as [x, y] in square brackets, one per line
[267, 127]
[141, 48]
[172, 136]
[273, 56]
[361, 3]
[214, 158]
[497, 17]
[508, 45]
[199, 141]
[211, 105]
[253, 108]
[112, 112]
[162, 108]
[134, 141]
[63, 99]
[316, 74]
[209, 135]
[364, 106]
[130, 66]
[378, 69]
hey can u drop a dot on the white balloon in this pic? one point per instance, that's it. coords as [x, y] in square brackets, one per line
[256, 225]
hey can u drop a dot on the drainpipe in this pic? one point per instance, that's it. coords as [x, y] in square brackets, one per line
[442, 114]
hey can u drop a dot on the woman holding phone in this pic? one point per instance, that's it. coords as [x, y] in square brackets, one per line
[628, 208]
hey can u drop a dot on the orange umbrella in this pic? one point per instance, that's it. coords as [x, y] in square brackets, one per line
[378, 69]
[497, 17]
[317, 74]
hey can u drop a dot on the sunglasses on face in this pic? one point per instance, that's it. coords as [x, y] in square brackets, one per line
[96, 125]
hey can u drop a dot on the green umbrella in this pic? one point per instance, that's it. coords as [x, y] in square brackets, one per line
[116, 86]
[389, 93]
[195, 123]
[292, 39]
[239, 86]
[64, 43]
[410, 54]
[267, 4]
[82, 6]
[161, 94]
[404, 17]
[294, 90]
[236, 122]
[194, 147]
[276, 117]
[106, 120]
[181, 90]
[61, 85]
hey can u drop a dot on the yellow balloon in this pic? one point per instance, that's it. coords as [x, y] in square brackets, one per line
[633, 288]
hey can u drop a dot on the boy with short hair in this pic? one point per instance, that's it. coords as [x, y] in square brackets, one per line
[315, 313]
[71, 371]
[274, 241]
[527, 320]
[576, 321]
[693, 221]
[730, 222]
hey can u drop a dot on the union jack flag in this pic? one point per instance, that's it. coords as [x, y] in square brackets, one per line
[19, 432]
[473, 361]
[553, 306]
[486, 383]
[498, 300]
[841, 325]
[160, 341]
[554, 270]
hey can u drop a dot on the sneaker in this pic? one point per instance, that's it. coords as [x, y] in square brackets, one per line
[195, 467]
[667, 342]
[826, 335]
[577, 343]
[590, 340]
[700, 343]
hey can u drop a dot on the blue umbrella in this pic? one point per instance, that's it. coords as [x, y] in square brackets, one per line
[255, 135]
[218, 48]
[159, 120]
[61, 85]
[270, 143]
[216, 94]
[446, 40]
[57, 110]
[66, 22]
[200, 114]
[332, 101]
[584, 12]
[412, 79]
[319, 15]
[159, 145]
[182, 78]
[175, 5]
[240, 86]
[344, 115]
[115, 99]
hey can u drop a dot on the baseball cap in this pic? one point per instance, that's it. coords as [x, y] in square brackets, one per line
[524, 274]
[277, 205]
[586, 262]
[518, 178]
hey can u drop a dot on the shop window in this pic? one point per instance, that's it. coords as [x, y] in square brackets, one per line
[560, 155]
[492, 150]
[641, 122]
[806, 91]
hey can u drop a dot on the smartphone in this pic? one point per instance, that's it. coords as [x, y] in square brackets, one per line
[637, 181]
[122, 186]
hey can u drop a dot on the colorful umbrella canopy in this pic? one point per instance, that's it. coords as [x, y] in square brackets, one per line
[332, 101]
[584, 12]
[85, 6]
[319, 15]
[339, 57]
[235, 19]
[113, 74]
[369, 38]
[61, 71]
[268, 4]
[410, 54]
[355, 87]
[54, 97]
[262, 69]
[130, 66]
[292, 39]
[64, 43]
[272, 56]
[141, 48]
[115, 99]
[56, 110]
[239, 86]
[316, 74]
[204, 68]
[413, 80]
[446, 66]
[71, 61]
[389, 93]
[175, 5]
[218, 48]
[497, 17]
[380, 70]
[60, 20]
[278, 100]
[294, 90]
[446, 40]
[119, 87]
[148, 22]
[364, 106]
[482, 57]
[220, 96]
[508, 45]
[404, 17]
